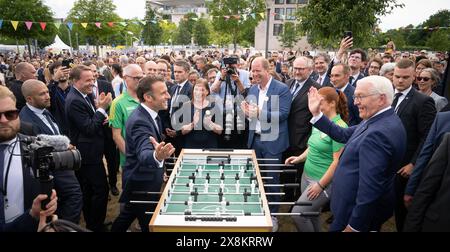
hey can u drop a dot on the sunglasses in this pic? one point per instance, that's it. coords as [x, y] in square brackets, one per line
[10, 115]
[423, 78]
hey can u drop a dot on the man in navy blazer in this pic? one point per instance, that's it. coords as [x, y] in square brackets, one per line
[267, 107]
[86, 133]
[441, 125]
[363, 184]
[35, 112]
[145, 151]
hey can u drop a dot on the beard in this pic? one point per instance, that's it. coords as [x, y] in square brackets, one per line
[8, 132]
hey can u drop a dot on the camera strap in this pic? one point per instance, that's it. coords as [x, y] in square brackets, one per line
[5, 182]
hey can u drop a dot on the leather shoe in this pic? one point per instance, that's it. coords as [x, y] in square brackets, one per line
[114, 191]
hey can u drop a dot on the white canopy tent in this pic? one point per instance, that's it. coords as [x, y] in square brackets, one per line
[58, 46]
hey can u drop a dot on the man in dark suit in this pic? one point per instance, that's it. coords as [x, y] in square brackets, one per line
[339, 78]
[417, 112]
[180, 93]
[356, 60]
[321, 73]
[111, 152]
[430, 207]
[59, 88]
[23, 71]
[363, 195]
[86, 133]
[267, 108]
[146, 151]
[441, 125]
[298, 121]
[35, 112]
[19, 188]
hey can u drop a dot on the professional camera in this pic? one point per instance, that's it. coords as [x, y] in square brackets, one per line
[45, 154]
[228, 62]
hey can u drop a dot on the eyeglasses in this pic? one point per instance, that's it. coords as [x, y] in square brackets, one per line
[360, 97]
[300, 68]
[423, 78]
[136, 78]
[10, 115]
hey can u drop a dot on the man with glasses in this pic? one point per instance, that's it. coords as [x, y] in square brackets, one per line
[363, 187]
[356, 61]
[339, 78]
[150, 68]
[417, 112]
[20, 204]
[162, 69]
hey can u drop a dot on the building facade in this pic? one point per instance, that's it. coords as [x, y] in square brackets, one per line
[177, 9]
[281, 11]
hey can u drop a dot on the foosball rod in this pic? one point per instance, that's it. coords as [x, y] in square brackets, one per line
[261, 165]
[312, 214]
[238, 158]
[282, 185]
[279, 171]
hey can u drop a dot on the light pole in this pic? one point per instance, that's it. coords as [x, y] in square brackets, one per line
[267, 31]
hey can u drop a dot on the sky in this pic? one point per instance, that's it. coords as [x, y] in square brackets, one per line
[414, 12]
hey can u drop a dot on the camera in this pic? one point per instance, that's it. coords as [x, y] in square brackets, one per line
[228, 62]
[45, 154]
[67, 63]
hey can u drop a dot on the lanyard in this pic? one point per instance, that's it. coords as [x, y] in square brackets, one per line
[5, 184]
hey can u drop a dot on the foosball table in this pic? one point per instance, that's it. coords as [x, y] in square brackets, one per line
[213, 190]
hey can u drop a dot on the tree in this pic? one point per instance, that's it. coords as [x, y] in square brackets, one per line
[236, 17]
[201, 32]
[91, 11]
[289, 36]
[27, 10]
[439, 40]
[325, 21]
[169, 30]
[152, 30]
[186, 29]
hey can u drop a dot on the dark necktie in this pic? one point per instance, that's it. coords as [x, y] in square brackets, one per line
[51, 121]
[2, 159]
[89, 103]
[159, 124]
[350, 80]
[295, 89]
[174, 98]
[394, 103]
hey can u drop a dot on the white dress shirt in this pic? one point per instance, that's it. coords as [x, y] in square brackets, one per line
[44, 119]
[401, 98]
[154, 114]
[262, 98]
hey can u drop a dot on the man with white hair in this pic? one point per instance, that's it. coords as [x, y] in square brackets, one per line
[363, 184]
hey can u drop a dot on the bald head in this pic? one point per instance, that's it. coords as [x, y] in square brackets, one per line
[25, 71]
[36, 94]
[150, 68]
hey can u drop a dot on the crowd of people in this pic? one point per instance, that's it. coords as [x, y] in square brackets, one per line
[362, 129]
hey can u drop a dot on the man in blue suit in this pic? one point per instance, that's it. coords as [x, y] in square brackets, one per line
[363, 184]
[35, 112]
[267, 107]
[145, 152]
[441, 125]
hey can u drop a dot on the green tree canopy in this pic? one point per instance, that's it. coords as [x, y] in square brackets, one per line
[289, 36]
[238, 24]
[201, 32]
[439, 40]
[152, 30]
[27, 10]
[325, 21]
[185, 29]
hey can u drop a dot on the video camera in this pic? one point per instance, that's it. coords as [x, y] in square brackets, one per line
[45, 154]
[228, 62]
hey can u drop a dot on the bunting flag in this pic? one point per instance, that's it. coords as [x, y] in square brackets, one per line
[262, 15]
[98, 24]
[57, 25]
[143, 22]
[1, 23]
[123, 23]
[28, 24]
[15, 24]
[154, 21]
[84, 25]
[43, 25]
[110, 24]
[70, 25]
[253, 15]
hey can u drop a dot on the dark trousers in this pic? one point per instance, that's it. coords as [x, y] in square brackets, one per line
[260, 150]
[112, 157]
[400, 210]
[94, 186]
[292, 194]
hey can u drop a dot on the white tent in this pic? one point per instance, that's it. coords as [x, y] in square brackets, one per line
[58, 45]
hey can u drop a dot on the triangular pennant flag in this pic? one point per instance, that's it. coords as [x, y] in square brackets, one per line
[237, 17]
[1, 23]
[261, 14]
[165, 21]
[253, 15]
[57, 24]
[15, 24]
[135, 22]
[28, 24]
[123, 23]
[43, 25]
[226, 17]
[154, 21]
[143, 22]
[195, 19]
[110, 24]
[70, 25]
[84, 25]
[98, 24]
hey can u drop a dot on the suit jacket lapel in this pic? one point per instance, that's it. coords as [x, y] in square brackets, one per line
[39, 123]
[405, 102]
[150, 119]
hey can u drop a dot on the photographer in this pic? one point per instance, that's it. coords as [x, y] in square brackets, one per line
[230, 86]
[20, 204]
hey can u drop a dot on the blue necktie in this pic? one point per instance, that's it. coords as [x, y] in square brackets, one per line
[2, 164]
[295, 90]
[51, 122]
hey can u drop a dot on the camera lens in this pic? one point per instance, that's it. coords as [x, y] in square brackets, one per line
[67, 160]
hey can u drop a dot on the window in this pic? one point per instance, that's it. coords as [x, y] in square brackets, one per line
[279, 14]
[277, 29]
[291, 1]
[290, 13]
[279, 1]
[303, 1]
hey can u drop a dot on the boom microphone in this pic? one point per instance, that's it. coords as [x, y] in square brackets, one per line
[59, 142]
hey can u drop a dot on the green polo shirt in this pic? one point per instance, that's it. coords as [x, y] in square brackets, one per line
[121, 109]
[321, 149]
